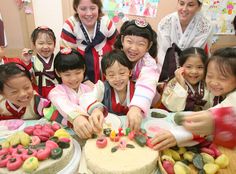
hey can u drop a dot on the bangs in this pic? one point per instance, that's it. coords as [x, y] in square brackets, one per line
[136, 31]
[223, 67]
[69, 62]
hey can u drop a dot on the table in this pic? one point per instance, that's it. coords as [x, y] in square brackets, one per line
[231, 169]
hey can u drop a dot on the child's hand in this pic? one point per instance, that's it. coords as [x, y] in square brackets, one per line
[199, 123]
[96, 120]
[134, 116]
[26, 55]
[163, 140]
[179, 75]
[82, 127]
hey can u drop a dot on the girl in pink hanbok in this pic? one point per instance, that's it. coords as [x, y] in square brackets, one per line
[70, 70]
[138, 40]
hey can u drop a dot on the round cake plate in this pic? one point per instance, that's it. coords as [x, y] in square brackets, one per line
[152, 126]
[6, 133]
[114, 120]
[148, 118]
[72, 166]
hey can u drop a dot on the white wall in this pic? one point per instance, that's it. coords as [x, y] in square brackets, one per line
[49, 13]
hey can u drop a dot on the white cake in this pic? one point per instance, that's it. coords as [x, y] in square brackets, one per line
[138, 160]
[68, 162]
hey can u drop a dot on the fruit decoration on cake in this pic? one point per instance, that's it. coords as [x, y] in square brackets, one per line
[26, 149]
[140, 138]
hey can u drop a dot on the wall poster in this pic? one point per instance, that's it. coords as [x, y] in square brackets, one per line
[118, 9]
[221, 13]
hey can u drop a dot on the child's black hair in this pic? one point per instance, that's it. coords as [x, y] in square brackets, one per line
[9, 70]
[192, 52]
[115, 55]
[131, 28]
[42, 29]
[225, 59]
[68, 61]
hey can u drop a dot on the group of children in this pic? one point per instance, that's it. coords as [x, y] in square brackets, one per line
[201, 82]
[131, 74]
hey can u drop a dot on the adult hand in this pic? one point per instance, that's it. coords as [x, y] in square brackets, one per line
[163, 140]
[96, 120]
[179, 75]
[134, 116]
[199, 123]
[82, 127]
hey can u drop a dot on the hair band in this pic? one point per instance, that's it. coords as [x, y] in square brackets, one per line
[43, 28]
[141, 22]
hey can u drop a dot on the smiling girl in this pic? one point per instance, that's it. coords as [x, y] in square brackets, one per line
[221, 77]
[19, 99]
[44, 40]
[138, 41]
[70, 69]
[187, 91]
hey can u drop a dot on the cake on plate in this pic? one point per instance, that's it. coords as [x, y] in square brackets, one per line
[137, 160]
[46, 149]
[119, 150]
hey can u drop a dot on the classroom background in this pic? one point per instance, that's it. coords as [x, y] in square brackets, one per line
[25, 15]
